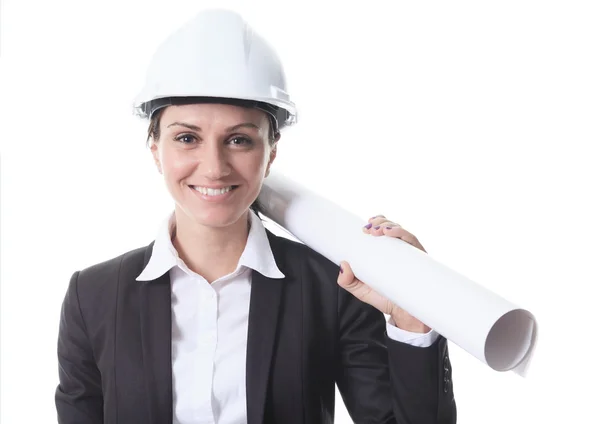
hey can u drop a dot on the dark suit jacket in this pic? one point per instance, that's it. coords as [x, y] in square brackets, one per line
[305, 334]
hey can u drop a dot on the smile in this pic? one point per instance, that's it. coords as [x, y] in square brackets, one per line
[213, 191]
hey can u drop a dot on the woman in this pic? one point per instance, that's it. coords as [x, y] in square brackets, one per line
[218, 320]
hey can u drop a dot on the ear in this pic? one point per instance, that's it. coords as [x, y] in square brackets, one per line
[272, 157]
[154, 150]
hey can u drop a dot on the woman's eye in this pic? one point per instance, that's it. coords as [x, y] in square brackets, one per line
[186, 138]
[240, 141]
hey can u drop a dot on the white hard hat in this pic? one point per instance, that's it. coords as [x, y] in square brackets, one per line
[216, 55]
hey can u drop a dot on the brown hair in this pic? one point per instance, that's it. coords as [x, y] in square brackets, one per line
[154, 134]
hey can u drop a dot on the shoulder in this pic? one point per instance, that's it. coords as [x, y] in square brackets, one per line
[111, 271]
[294, 254]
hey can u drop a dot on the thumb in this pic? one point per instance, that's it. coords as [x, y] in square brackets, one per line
[347, 280]
[360, 290]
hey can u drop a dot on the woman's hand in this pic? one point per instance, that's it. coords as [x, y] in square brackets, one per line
[380, 226]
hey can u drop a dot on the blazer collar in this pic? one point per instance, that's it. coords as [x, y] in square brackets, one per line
[263, 320]
[155, 327]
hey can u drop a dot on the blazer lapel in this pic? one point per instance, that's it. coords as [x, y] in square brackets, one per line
[265, 300]
[155, 322]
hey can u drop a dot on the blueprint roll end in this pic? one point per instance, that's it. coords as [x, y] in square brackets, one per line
[511, 340]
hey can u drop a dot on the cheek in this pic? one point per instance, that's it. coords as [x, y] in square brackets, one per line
[252, 167]
[177, 165]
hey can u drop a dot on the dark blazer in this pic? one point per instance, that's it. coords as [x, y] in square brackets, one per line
[305, 334]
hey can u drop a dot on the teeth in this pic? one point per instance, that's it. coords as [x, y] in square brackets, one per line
[212, 191]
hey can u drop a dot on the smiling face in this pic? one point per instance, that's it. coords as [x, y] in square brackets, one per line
[214, 158]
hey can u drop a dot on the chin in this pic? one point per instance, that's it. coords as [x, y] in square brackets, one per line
[217, 217]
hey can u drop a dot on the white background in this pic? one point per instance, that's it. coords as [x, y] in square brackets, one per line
[472, 124]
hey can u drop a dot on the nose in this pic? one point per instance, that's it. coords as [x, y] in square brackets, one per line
[214, 161]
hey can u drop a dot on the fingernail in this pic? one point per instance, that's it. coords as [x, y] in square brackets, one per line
[373, 217]
[378, 227]
[388, 228]
[341, 270]
[369, 225]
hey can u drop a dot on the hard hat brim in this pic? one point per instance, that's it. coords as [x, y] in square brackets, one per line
[280, 115]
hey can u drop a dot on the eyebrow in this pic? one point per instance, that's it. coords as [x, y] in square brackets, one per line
[230, 129]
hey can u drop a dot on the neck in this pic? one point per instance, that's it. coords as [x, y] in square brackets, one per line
[211, 252]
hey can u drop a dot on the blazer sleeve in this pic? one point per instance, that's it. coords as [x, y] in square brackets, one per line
[78, 396]
[384, 381]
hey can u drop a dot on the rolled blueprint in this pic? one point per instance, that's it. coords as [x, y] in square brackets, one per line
[487, 326]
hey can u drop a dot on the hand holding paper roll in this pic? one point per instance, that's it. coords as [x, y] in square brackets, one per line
[380, 226]
[489, 327]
